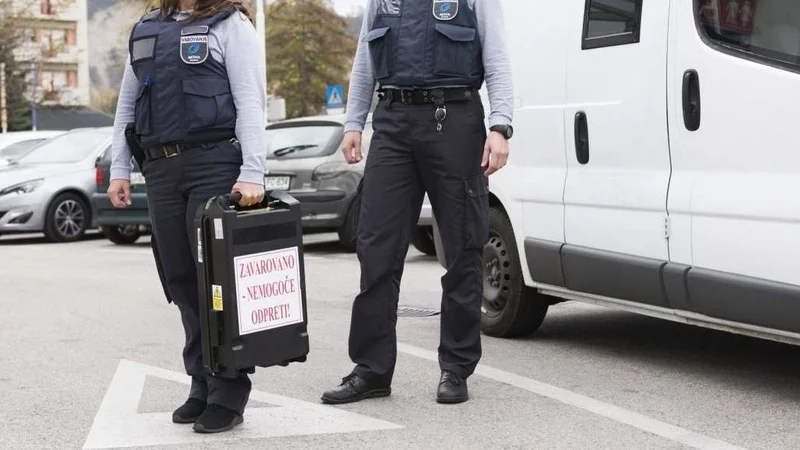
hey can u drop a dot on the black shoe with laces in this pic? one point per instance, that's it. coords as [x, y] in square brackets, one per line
[452, 388]
[189, 411]
[354, 388]
[217, 418]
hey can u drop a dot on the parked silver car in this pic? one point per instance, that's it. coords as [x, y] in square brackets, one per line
[303, 158]
[49, 187]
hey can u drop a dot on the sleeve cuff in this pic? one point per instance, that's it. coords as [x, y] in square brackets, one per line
[498, 120]
[118, 173]
[251, 176]
[353, 126]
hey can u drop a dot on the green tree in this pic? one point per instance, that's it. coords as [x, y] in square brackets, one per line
[308, 47]
[18, 106]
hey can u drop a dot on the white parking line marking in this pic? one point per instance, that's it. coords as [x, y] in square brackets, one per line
[644, 423]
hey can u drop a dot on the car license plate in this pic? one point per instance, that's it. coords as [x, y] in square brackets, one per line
[137, 178]
[272, 183]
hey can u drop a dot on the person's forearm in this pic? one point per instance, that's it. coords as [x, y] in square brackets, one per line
[496, 62]
[362, 80]
[120, 152]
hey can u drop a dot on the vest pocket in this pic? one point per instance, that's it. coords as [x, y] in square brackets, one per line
[454, 50]
[381, 52]
[208, 103]
[143, 116]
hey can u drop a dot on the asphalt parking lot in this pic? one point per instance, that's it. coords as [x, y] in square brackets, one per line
[91, 359]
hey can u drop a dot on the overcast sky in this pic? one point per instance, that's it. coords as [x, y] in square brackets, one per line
[345, 6]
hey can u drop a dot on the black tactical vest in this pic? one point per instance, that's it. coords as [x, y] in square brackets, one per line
[184, 95]
[425, 43]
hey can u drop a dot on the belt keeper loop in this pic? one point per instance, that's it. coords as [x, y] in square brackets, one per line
[438, 95]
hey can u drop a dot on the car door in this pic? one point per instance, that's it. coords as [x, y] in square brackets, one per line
[734, 100]
[618, 160]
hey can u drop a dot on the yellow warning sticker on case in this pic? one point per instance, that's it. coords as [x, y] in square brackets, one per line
[217, 297]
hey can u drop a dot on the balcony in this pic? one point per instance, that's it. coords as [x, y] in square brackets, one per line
[31, 51]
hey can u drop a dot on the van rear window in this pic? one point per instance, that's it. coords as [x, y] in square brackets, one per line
[611, 22]
[766, 30]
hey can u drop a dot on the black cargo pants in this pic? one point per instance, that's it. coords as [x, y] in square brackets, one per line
[408, 157]
[176, 186]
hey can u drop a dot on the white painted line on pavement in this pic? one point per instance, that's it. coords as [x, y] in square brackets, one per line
[644, 423]
[117, 423]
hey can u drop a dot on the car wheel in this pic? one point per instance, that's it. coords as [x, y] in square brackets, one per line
[122, 234]
[510, 308]
[67, 218]
[422, 240]
[347, 232]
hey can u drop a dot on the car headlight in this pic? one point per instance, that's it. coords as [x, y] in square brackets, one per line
[330, 170]
[22, 188]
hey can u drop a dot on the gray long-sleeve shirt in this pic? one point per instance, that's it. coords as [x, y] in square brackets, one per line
[497, 67]
[235, 43]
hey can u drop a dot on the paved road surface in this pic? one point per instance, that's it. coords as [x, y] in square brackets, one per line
[90, 357]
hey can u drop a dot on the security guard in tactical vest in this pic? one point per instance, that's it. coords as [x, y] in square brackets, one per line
[430, 58]
[194, 102]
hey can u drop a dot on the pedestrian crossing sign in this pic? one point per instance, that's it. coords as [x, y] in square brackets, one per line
[335, 96]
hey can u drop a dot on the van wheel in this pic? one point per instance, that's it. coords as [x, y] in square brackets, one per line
[422, 240]
[510, 308]
[67, 218]
[122, 234]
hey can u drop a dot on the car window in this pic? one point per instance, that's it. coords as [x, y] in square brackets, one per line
[608, 23]
[303, 140]
[69, 147]
[17, 149]
[765, 30]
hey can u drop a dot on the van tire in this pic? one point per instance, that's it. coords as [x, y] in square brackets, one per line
[422, 240]
[117, 236]
[509, 307]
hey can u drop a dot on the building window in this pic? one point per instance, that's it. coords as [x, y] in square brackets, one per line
[72, 78]
[46, 7]
[71, 37]
[764, 30]
[611, 22]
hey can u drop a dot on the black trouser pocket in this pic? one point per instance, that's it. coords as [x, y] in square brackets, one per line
[143, 116]
[476, 212]
[455, 46]
[380, 49]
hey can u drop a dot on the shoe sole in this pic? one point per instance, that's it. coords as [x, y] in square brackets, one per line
[451, 400]
[375, 393]
[176, 419]
[201, 429]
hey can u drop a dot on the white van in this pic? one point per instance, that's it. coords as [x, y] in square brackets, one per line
[654, 167]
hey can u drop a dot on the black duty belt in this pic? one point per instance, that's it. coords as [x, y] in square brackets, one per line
[172, 150]
[424, 96]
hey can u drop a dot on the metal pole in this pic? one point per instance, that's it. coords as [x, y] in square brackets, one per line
[3, 114]
[262, 35]
[35, 82]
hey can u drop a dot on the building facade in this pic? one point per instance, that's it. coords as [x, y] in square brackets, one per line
[55, 45]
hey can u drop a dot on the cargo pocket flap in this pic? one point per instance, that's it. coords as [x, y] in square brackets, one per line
[376, 34]
[206, 87]
[456, 33]
[476, 186]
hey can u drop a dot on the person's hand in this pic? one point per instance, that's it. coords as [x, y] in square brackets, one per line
[119, 191]
[351, 147]
[495, 153]
[252, 193]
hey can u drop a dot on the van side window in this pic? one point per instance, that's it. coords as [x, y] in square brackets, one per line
[764, 30]
[611, 22]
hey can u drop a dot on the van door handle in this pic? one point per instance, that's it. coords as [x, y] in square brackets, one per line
[581, 138]
[691, 100]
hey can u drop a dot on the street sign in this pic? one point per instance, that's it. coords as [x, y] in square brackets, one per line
[119, 423]
[334, 94]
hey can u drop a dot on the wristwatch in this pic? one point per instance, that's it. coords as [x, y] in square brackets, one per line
[506, 130]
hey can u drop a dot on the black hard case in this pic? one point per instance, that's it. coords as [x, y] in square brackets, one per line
[273, 225]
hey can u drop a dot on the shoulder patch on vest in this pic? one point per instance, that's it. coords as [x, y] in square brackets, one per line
[445, 9]
[194, 49]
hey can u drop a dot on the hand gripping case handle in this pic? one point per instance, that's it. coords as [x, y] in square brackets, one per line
[230, 200]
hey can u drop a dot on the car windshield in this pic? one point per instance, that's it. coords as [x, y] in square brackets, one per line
[66, 148]
[18, 148]
[302, 140]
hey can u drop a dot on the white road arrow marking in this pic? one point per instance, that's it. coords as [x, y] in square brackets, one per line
[117, 423]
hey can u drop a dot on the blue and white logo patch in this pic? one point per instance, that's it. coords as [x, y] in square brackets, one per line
[194, 49]
[445, 9]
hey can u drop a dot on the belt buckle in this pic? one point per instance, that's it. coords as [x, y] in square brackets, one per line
[167, 153]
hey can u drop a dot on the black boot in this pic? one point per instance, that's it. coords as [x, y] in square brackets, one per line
[353, 389]
[189, 411]
[452, 388]
[216, 419]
